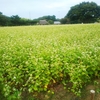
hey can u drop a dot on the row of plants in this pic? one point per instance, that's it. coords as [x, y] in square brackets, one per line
[33, 59]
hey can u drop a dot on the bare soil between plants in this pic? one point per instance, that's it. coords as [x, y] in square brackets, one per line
[62, 94]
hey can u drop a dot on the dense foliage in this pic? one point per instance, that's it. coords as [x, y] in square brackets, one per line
[32, 59]
[85, 12]
[15, 20]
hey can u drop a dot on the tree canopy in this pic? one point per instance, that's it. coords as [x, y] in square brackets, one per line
[15, 20]
[85, 12]
[4, 20]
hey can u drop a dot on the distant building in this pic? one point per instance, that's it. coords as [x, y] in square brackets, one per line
[43, 22]
[57, 22]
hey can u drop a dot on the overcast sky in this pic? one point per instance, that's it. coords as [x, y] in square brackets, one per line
[37, 8]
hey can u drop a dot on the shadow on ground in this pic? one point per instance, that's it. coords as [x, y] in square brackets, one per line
[62, 94]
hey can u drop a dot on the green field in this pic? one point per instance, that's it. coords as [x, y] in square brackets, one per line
[35, 58]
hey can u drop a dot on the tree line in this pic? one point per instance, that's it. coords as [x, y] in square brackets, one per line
[15, 20]
[85, 12]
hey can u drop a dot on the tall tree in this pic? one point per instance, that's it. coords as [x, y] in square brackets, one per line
[4, 20]
[85, 12]
[15, 20]
[0, 13]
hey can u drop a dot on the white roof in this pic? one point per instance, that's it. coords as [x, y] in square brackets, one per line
[56, 22]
